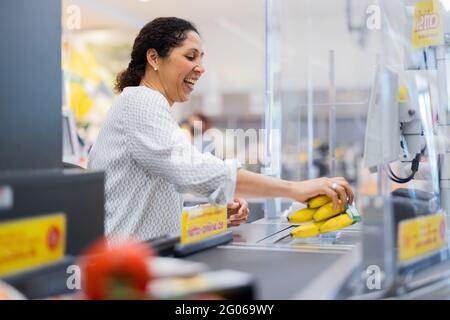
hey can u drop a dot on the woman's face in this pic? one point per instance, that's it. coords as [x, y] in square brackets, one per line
[180, 71]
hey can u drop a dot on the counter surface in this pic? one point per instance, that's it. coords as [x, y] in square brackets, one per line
[281, 266]
[278, 274]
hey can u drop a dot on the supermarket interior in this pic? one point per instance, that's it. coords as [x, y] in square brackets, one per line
[277, 150]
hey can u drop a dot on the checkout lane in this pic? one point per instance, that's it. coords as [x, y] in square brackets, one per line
[282, 267]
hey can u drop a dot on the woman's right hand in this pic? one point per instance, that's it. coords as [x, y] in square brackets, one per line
[336, 188]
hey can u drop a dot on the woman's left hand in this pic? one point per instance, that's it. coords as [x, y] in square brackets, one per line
[237, 212]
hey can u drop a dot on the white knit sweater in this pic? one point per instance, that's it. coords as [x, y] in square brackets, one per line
[149, 162]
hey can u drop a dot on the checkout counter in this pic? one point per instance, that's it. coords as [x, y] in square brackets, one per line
[326, 267]
[279, 267]
[282, 267]
[265, 263]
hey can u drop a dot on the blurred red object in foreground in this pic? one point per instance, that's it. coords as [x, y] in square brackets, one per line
[116, 271]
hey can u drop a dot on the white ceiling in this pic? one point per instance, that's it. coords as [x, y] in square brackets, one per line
[233, 34]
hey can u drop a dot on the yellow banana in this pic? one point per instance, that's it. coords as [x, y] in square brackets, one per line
[326, 211]
[306, 230]
[339, 222]
[302, 215]
[318, 201]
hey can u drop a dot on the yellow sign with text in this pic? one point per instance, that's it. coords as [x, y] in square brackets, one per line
[30, 243]
[421, 236]
[427, 25]
[199, 223]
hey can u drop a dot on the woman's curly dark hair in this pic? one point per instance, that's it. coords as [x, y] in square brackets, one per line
[161, 34]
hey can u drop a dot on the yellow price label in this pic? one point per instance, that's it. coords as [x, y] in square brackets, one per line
[29, 243]
[427, 25]
[421, 236]
[202, 222]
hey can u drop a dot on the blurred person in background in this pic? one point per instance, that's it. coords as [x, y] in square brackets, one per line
[198, 125]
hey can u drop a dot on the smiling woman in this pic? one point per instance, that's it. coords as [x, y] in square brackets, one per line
[149, 161]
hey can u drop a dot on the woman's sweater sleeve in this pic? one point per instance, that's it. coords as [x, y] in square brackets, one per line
[157, 143]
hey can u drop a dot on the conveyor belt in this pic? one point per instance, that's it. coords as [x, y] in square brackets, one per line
[282, 266]
[278, 274]
[276, 236]
[251, 233]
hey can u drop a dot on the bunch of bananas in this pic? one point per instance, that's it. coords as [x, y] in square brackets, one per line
[321, 218]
